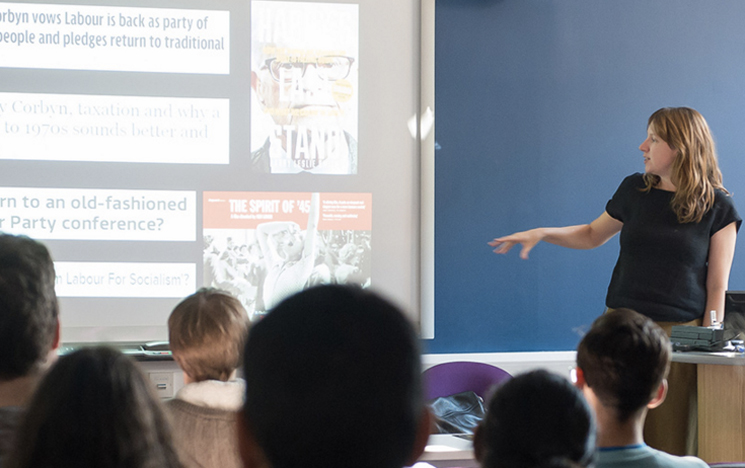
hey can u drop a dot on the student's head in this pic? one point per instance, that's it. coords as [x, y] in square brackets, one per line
[333, 380]
[207, 331]
[624, 359]
[537, 419]
[695, 171]
[29, 327]
[94, 408]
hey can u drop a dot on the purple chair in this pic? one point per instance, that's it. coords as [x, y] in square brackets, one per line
[461, 376]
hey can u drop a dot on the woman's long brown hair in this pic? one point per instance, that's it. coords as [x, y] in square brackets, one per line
[695, 171]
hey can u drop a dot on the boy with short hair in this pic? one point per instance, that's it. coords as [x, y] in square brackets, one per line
[622, 364]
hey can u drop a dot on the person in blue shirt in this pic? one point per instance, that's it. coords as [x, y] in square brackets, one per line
[622, 364]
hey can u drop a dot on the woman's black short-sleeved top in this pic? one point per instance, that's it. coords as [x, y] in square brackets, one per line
[662, 264]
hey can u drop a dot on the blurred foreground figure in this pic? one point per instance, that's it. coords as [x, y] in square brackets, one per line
[333, 380]
[94, 409]
[29, 327]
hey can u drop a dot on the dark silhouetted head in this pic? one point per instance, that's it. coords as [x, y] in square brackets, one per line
[534, 420]
[333, 379]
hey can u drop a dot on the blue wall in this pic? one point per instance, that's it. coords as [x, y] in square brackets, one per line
[540, 108]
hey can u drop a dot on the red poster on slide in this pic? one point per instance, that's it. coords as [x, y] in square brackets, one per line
[265, 246]
[246, 210]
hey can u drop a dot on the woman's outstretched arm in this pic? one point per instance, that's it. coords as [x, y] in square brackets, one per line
[583, 236]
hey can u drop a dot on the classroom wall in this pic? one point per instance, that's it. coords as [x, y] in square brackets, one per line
[540, 108]
[561, 362]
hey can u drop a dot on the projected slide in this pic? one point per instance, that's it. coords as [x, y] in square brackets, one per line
[304, 62]
[264, 246]
[159, 147]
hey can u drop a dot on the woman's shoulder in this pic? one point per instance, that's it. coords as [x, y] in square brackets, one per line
[636, 177]
[721, 194]
[723, 201]
[724, 210]
[635, 180]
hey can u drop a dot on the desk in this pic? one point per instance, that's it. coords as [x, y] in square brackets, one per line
[721, 404]
[447, 450]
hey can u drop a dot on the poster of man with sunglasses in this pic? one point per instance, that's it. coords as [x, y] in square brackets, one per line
[304, 79]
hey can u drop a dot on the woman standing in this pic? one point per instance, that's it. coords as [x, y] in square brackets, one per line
[678, 229]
